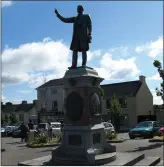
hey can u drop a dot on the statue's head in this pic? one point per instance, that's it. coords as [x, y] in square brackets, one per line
[80, 9]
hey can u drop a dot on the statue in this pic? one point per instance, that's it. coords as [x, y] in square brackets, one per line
[81, 34]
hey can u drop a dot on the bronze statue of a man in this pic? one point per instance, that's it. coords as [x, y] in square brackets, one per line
[81, 38]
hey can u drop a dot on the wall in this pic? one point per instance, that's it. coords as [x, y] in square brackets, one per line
[45, 96]
[26, 116]
[131, 111]
[144, 100]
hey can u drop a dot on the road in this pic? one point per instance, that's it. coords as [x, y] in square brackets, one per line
[18, 152]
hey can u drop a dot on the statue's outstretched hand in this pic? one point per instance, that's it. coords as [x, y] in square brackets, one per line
[56, 11]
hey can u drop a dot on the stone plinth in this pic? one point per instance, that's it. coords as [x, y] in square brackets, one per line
[83, 136]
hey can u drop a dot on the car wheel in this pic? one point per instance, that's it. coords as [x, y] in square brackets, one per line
[151, 136]
[131, 137]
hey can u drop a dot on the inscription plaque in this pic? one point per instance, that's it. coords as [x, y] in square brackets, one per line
[74, 140]
[96, 138]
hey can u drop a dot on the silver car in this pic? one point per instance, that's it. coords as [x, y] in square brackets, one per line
[108, 127]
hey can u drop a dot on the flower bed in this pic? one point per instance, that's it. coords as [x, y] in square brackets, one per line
[42, 141]
[157, 139]
[113, 138]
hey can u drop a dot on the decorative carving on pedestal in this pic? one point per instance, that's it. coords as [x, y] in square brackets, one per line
[95, 104]
[74, 106]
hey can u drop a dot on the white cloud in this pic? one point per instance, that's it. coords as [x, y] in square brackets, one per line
[153, 49]
[156, 99]
[29, 62]
[111, 69]
[3, 98]
[24, 91]
[154, 77]
[6, 3]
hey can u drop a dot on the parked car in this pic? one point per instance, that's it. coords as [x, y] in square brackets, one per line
[42, 127]
[17, 134]
[161, 130]
[3, 134]
[56, 128]
[108, 127]
[145, 129]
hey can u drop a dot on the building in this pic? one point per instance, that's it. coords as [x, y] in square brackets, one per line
[51, 98]
[159, 112]
[23, 111]
[135, 99]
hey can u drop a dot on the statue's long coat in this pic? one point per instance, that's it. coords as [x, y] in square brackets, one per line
[81, 28]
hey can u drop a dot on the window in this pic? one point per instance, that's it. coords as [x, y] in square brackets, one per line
[156, 124]
[53, 91]
[54, 105]
[108, 104]
[21, 117]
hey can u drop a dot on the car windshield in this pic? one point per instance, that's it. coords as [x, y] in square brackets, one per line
[42, 126]
[107, 125]
[56, 125]
[144, 124]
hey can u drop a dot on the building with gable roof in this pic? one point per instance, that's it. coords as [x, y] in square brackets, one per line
[134, 97]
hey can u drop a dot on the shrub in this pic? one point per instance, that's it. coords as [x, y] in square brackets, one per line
[40, 138]
[110, 135]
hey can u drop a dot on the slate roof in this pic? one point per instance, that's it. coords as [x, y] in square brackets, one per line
[122, 89]
[16, 107]
[54, 82]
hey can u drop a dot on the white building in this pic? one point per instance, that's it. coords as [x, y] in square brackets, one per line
[51, 96]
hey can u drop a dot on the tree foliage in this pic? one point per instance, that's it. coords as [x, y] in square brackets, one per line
[101, 92]
[115, 106]
[6, 119]
[116, 112]
[2, 119]
[160, 91]
[13, 119]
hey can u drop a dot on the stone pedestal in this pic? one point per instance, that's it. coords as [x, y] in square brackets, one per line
[31, 136]
[83, 137]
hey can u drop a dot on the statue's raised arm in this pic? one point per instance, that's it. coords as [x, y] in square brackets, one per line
[63, 19]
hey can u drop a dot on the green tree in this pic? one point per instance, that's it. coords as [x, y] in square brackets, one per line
[12, 119]
[160, 91]
[6, 119]
[2, 119]
[102, 92]
[116, 112]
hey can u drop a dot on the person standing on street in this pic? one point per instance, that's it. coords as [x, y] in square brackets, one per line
[49, 131]
[30, 125]
[24, 131]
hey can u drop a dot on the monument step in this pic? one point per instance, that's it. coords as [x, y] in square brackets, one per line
[161, 163]
[148, 161]
[105, 158]
[126, 159]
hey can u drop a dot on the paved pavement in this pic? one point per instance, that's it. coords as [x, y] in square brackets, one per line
[18, 152]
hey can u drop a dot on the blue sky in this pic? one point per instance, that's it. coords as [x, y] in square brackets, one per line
[127, 37]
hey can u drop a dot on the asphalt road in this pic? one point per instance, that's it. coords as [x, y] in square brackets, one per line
[18, 152]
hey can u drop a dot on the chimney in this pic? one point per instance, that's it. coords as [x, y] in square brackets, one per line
[142, 78]
[8, 103]
[34, 101]
[24, 102]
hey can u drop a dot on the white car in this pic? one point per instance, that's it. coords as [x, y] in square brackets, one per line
[108, 127]
[42, 127]
[56, 128]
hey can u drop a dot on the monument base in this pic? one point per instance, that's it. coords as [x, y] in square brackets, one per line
[83, 145]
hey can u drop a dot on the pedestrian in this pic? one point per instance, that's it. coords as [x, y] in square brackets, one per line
[62, 128]
[49, 131]
[30, 125]
[24, 131]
